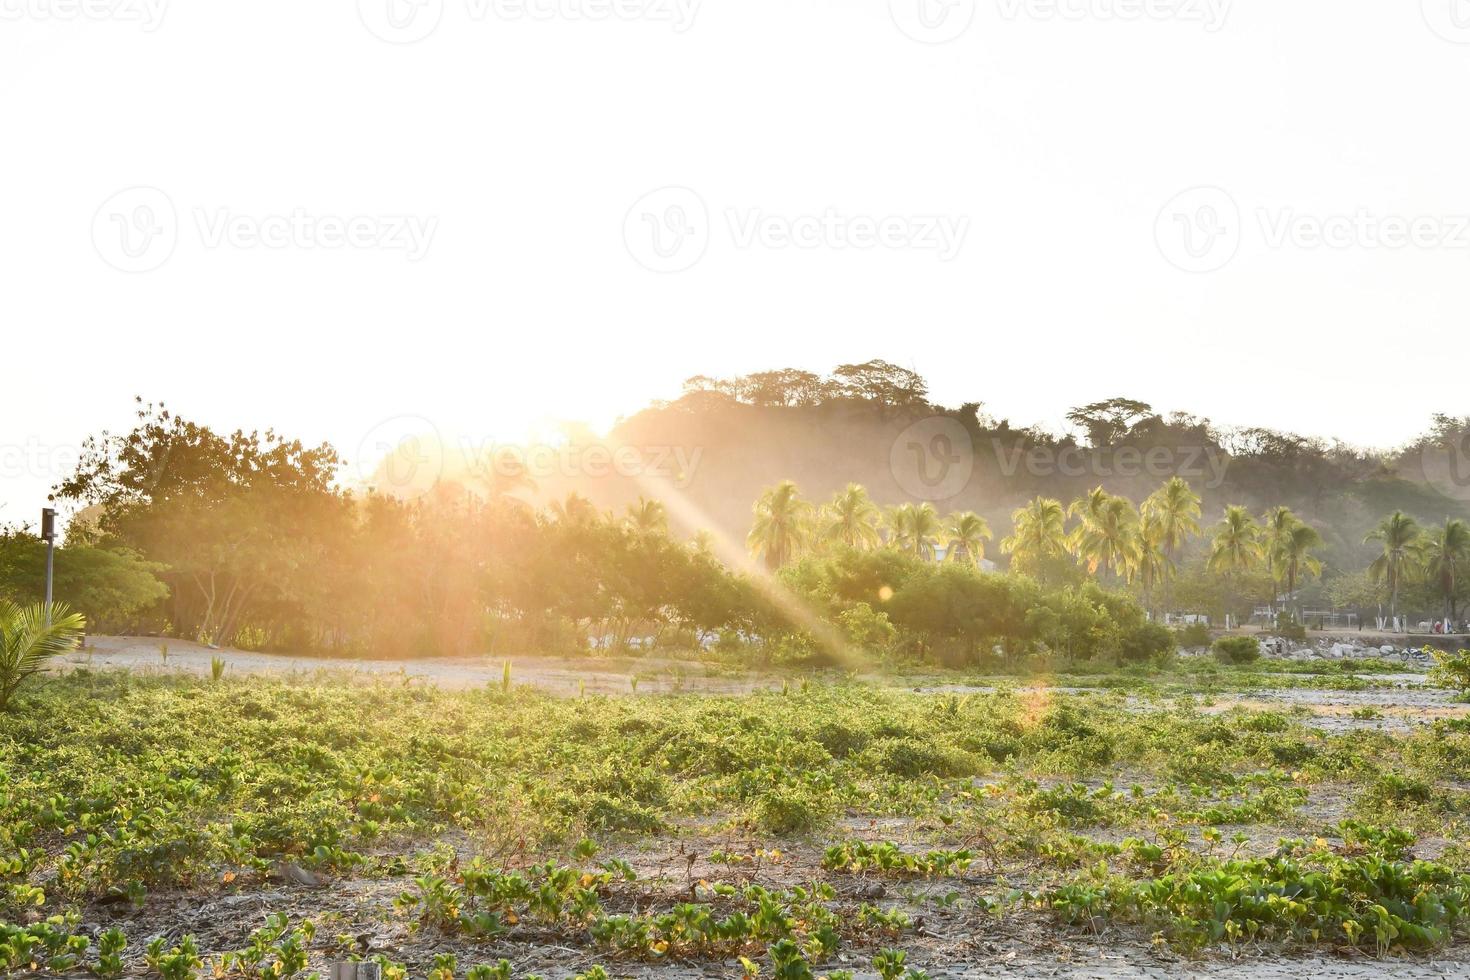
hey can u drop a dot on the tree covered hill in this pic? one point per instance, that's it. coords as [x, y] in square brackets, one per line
[863, 424]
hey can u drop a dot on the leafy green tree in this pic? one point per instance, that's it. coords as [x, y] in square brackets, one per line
[881, 382]
[574, 509]
[1108, 536]
[1235, 547]
[240, 523]
[1402, 541]
[1153, 565]
[109, 587]
[1448, 555]
[850, 519]
[1293, 553]
[914, 528]
[648, 517]
[782, 525]
[1108, 422]
[1235, 543]
[1175, 510]
[1038, 537]
[965, 535]
[30, 636]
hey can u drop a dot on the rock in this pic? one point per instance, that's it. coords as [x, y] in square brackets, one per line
[296, 874]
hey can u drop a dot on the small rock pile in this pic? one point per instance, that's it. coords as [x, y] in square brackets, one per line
[1336, 649]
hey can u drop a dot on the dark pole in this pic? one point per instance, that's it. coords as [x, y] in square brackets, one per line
[48, 534]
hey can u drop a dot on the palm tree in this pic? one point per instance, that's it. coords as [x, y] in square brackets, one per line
[1108, 535]
[575, 509]
[1276, 527]
[1175, 508]
[780, 527]
[1235, 545]
[31, 636]
[503, 474]
[1293, 553]
[965, 537]
[914, 528]
[1038, 535]
[850, 519]
[1449, 556]
[1154, 564]
[1402, 541]
[648, 518]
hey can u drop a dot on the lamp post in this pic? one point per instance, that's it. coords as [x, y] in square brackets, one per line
[48, 535]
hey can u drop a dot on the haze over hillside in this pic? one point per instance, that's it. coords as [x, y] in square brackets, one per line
[711, 452]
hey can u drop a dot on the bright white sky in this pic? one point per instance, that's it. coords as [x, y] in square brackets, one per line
[525, 142]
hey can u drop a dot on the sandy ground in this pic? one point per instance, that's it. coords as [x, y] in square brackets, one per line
[556, 675]
[1399, 708]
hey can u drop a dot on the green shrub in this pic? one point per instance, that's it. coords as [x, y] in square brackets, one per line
[1237, 649]
[1290, 629]
[1194, 636]
[1451, 670]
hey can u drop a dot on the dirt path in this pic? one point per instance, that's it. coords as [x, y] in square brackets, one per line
[556, 675]
[1392, 709]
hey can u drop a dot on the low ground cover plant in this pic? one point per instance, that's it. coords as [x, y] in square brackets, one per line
[123, 793]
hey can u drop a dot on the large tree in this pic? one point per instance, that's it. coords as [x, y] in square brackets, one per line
[782, 525]
[1175, 512]
[1107, 537]
[1235, 547]
[1448, 557]
[1402, 542]
[237, 521]
[965, 535]
[914, 528]
[850, 519]
[1038, 537]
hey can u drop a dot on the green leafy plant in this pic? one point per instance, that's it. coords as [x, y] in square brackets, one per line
[1235, 650]
[29, 638]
